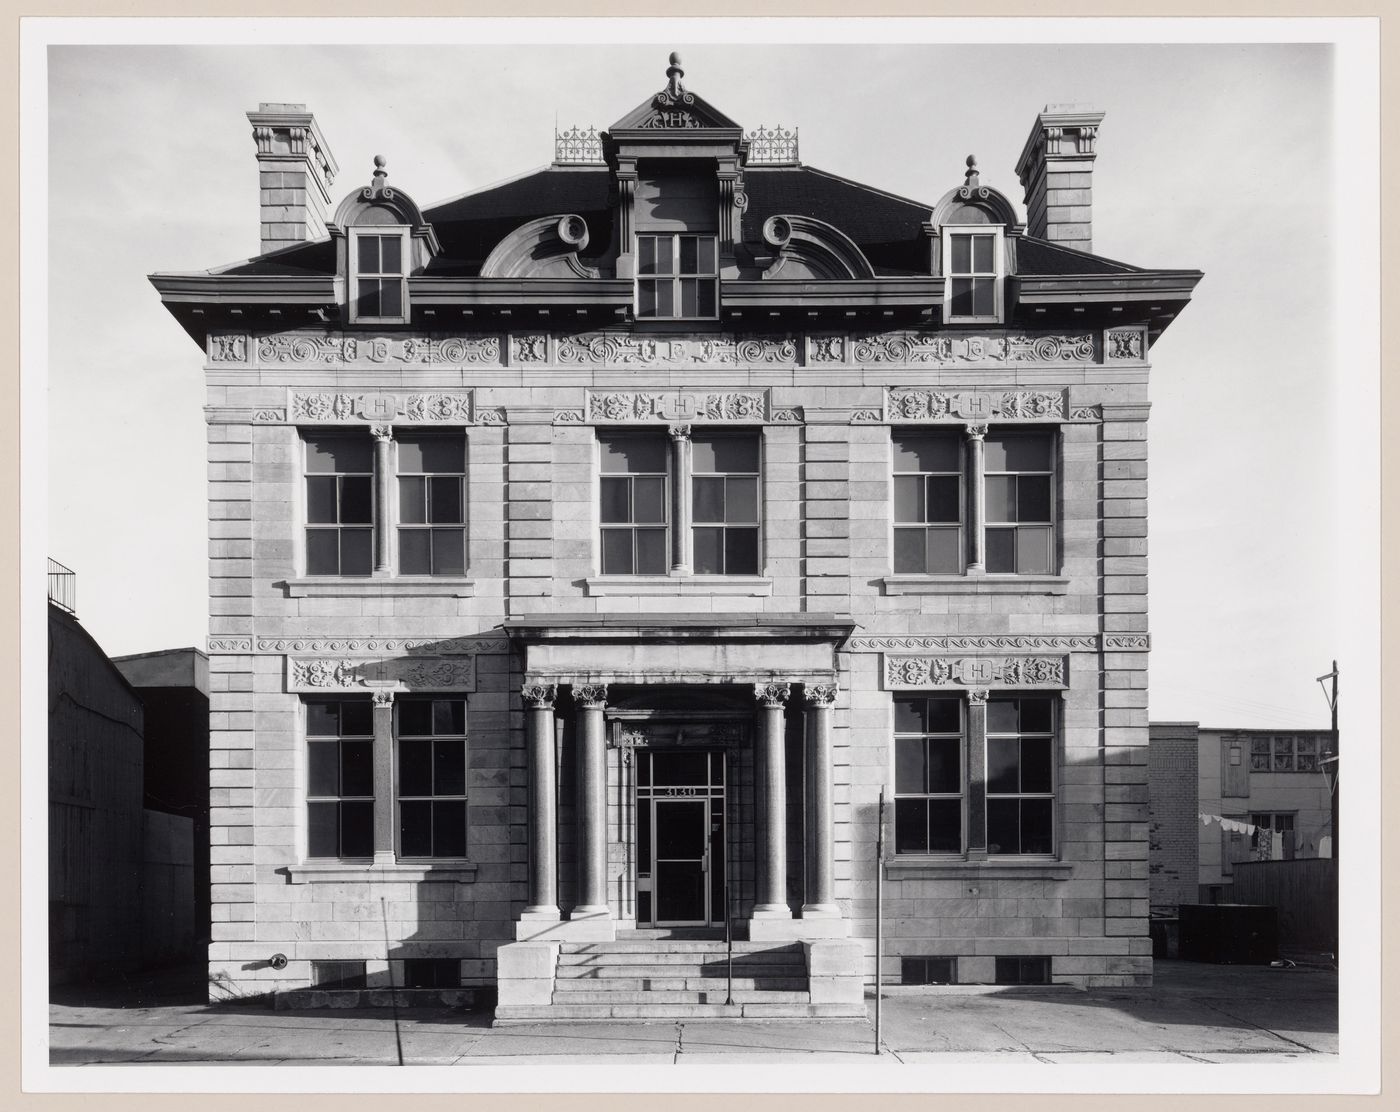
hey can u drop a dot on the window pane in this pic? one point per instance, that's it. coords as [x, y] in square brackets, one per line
[1033, 550]
[412, 501]
[449, 716]
[945, 826]
[944, 715]
[357, 829]
[367, 305]
[910, 716]
[709, 500]
[910, 551]
[709, 551]
[369, 254]
[741, 500]
[1002, 717]
[962, 298]
[984, 297]
[445, 506]
[1003, 826]
[341, 453]
[945, 764]
[320, 498]
[357, 768]
[1001, 498]
[649, 499]
[355, 558]
[962, 254]
[322, 552]
[1036, 764]
[449, 552]
[1036, 715]
[322, 719]
[617, 552]
[415, 552]
[646, 255]
[1001, 550]
[646, 298]
[450, 828]
[415, 717]
[944, 550]
[390, 254]
[415, 767]
[416, 828]
[356, 500]
[911, 826]
[323, 768]
[705, 301]
[449, 767]
[322, 830]
[726, 453]
[1037, 826]
[982, 254]
[664, 265]
[666, 299]
[689, 307]
[356, 718]
[910, 766]
[909, 498]
[444, 455]
[707, 256]
[651, 552]
[690, 255]
[1009, 452]
[613, 500]
[741, 552]
[944, 501]
[633, 456]
[391, 298]
[1002, 765]
[1033, 498]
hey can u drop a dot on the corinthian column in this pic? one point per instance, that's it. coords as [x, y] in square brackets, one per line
[821, 812]
[383, 435]
[681, 463]
[977, 499]
[542, 816]
[589, 700]
[771, 844]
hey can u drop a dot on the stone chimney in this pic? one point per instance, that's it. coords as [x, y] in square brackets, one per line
[1056, 170]
[295, 173]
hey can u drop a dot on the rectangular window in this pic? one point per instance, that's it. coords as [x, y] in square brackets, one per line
[634, 502]
[1274, 838]
[380, 276]
[724, 507]
[972, 266]
[1020, 473]
[927, 971]
[339, 778]
[928, 776]
[432, 777]
[1022, 971]
[928, 502]
[677, 277]
[1020, 775]
[1283, 753]
[339, 505]
[338, 974]
[432, 973]
[432, 505]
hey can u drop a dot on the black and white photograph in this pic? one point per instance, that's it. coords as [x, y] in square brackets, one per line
[616, 555]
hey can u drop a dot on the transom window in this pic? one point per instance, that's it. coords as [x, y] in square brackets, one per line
[972, 269]
[928, 501]
[432, 533]
[339, 778]
[432, 777]
[1020, 776]
[928, 775]
[339, 505]
[677, 277]
[1020, 502]
[725, 505]
[380, 276]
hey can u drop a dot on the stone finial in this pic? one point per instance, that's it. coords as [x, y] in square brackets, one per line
[674, 73]
[973, 178]
[381, 175]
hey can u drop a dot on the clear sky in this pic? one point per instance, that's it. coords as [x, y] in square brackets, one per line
[1216, 157]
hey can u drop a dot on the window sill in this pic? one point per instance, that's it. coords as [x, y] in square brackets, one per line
[311, 872]
[929, 868]
[751, 586]
[976, 584]
[372, 586]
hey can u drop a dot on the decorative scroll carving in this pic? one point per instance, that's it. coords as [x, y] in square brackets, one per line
[383, 698]
[538, 696]
[826, 349]
[820, 694]
[229, 644]
[786, 416]
[331, 348]
[568, 416]
[228, 349]
[592, 696]
[772, 694]
[1086, 413]
[269, 415]
[412, 674]
[1123, 344]
[327, 673]
[621, 350]
[681, 407]
[456, 407]
[441, 674]
[1127, 642]
[1029, 404]
[624, 407]
[455, 350]
[439, 407]
[1077, 348]
[493, 415]
[735, 407]
[980, 643]
[352, 645]
[974, 671]
[866, 417]
[935, 405]
[530, 349]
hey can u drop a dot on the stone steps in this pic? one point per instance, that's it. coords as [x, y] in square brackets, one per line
[677, 969]
[535, 1013]
[710, 995]
[633, 982]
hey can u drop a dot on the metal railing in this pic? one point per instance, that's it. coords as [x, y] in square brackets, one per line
[63, 586]
[772, 146]
[577, 147]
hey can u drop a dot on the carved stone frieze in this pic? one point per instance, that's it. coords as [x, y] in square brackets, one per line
[1123, 343]
[336, 348]
[270, 415]
[679, 407]
[228, 348]
[738, 406]
[229, 644]
[455, 673]
[975, 671]
[454, 406]
[530, 349]
[1127, 642]
[606, 349]
[937, 349]
[379, 645]
[1086, 413]
[980, 643]
[975, 405]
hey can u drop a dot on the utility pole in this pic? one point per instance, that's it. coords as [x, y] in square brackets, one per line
[1332, 757]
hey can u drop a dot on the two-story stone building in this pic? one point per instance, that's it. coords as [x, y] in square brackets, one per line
[588, 551]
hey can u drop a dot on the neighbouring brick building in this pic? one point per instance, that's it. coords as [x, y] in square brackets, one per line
[588, 550]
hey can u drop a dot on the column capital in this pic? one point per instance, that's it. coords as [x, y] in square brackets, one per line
[591, 696]
[383, 698]
[976, 431]
[382, 433]
[538, 696]
[772, 694]
[977, 696]
[820, 694]
[679, 432]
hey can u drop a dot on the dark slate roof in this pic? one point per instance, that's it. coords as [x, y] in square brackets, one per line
[887, 228]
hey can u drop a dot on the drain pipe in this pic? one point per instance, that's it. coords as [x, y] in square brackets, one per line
[879, 911]
[728, 935]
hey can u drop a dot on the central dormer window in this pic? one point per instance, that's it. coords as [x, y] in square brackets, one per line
[677, 277]
[380, 276]
[972, 266]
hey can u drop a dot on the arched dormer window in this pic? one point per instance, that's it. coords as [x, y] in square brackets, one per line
[382, 239]
[972, 223]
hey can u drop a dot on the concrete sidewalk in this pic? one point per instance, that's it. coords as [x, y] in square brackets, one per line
[1194, 1013]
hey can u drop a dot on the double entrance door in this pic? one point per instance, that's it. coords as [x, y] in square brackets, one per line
[680, 837]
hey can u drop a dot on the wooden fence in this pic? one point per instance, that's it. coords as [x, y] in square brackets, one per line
[1304, 891]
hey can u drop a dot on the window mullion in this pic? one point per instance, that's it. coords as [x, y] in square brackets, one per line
[379, 520]
[682, 460]
[977, 773]
[976, 500]
[384, 786]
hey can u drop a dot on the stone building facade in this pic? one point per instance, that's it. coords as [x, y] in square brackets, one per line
[589, 551]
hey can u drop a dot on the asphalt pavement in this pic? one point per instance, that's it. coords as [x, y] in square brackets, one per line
[1193, 1013]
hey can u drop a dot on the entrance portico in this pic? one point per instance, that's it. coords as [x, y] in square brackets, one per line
[699, 713]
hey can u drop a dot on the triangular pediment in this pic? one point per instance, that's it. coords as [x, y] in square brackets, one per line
[683, 111]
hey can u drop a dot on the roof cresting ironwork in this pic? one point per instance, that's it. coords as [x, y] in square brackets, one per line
[772, 146]
[577, 147]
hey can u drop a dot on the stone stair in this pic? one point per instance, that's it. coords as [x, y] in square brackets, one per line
[678, 979]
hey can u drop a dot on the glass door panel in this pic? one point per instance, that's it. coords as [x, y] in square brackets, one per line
[682, 832]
